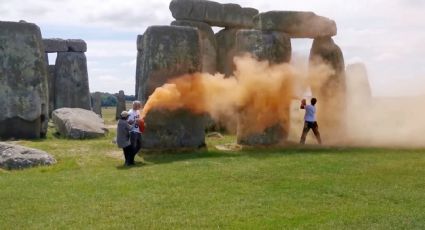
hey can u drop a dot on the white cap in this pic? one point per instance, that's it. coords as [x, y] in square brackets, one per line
[124, 114]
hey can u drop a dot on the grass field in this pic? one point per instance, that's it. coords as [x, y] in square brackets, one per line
[303, 188]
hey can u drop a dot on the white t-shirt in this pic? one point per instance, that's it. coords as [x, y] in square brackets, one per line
[132, 116]
[310, 113]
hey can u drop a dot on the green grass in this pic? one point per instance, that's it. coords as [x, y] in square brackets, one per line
[305, 188]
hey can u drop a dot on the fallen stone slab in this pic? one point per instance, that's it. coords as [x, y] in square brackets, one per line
[213, 13]
[54, 45]
[76, 123]
[19, 157]
[296, 24]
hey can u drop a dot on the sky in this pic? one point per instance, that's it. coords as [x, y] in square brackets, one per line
[388, 36]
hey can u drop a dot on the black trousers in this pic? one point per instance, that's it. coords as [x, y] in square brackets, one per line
[136, 141]
[128, 155]
[310, 125]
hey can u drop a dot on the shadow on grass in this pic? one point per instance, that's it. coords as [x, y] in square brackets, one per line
[137, 164]
[257, 152]
[165, 158]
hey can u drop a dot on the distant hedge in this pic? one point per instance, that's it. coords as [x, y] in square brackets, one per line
[111, 99]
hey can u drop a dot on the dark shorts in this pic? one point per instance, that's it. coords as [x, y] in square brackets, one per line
[311, 124]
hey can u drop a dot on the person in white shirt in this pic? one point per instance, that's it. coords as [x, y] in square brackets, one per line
[310, 120]
[133, 120]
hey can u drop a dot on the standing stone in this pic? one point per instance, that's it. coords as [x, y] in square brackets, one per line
[213, 13]
[209, 45]
[359, 101]
[274, 47]
[138, 62]
[169, 130]
[169, 52]
[226, 51]
[296, 24]
[97, 103]
[331, 94]
[120, 104]
[71, 81]
[358, 86]
[51, 83]
[24, 95]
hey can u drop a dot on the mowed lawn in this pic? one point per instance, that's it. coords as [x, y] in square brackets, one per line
[296, 187]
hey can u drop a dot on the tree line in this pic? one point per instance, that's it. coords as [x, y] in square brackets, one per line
[109, 99]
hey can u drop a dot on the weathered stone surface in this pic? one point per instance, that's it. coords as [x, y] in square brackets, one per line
[120, 104]
[76, 45]
[296, 24]
[270, 136]
[213, 13]
[177, 129]
[138, 72]
[208, 44]
[72, 83]
[138, 63]
[19, 157]
[76, 123]
[54, 45]
[331, 94]
[97, 103]
[23, 81]
[139, 42]
[51, 83]
[168, 52]
[226, 50]
[274, 47]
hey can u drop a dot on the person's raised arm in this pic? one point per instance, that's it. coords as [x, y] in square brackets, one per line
[303, 104]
